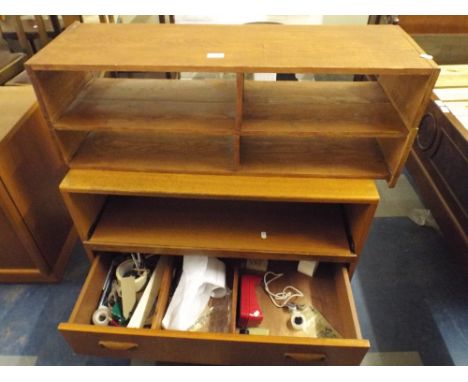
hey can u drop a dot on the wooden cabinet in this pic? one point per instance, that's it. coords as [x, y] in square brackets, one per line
[438, 161]
[36, 231]
[173, 214]
[229, 167]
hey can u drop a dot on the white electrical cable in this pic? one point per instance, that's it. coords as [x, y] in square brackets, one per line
[282, 298]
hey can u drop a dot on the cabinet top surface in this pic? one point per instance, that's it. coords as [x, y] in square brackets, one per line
[357, 49]
[221, 186]
[16, 103]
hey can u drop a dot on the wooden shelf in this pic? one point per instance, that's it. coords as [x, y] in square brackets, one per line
[199, 106]
[222, 228]
[191, 153]
[318, 157]
[326, 108]
[220, 186]
[155, 152]
[285, 156]
[353, 49]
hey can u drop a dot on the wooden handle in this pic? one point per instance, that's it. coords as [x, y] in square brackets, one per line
[306, 357]
[113, 345]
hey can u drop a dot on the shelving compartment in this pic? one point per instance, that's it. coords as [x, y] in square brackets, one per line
[220, 215]
[121, 104]
[154, 151]
[342, 129]
[221, 228]
[319, 109]
[140, 123]
[313, 156]
[366, 128]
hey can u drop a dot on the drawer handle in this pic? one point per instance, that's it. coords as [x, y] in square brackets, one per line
[113, 345]
[306, 357]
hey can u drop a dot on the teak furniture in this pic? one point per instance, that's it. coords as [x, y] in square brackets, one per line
[36, 232]
[205, 166]
[223, 216]
[317, 129]
[439, 159]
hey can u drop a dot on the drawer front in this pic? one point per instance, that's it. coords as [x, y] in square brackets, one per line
[222, 349]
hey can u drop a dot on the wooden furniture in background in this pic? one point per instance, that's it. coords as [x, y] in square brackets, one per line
[11, 64]
[443, 37]
[31, 33]
[317, 129]
[439, 159]
[162, 19]
[36, 234]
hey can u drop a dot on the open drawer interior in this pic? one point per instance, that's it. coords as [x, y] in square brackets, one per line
[328, 291]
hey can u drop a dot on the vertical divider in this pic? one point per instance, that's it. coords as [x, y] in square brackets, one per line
[235, 297]
[238, 122]
[163, 296]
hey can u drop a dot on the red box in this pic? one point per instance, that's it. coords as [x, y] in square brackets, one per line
[250, 314]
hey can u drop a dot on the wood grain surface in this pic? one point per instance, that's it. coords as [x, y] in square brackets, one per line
[357, 49]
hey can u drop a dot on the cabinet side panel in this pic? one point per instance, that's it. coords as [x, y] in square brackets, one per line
[10, 211]
[55, 90]
[84, 210]
[409, 95]
[360, 218]
[395, 152]
[12, 252]
[32, 169]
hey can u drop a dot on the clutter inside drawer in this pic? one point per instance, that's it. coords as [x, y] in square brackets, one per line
[130, 291]
[201, 296]
[286, 301]
[207, 294]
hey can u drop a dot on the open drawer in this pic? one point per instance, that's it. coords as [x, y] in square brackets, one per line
[329, 290]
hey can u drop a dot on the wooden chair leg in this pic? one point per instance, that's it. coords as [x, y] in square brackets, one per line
[54, 20]
[42, 30]
[22, 39]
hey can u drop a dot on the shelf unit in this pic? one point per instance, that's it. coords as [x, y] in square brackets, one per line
[223, 215]
[307, 129]
[212, 167]
[169, 214]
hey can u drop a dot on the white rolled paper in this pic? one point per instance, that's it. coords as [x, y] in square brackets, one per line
[202, 277]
